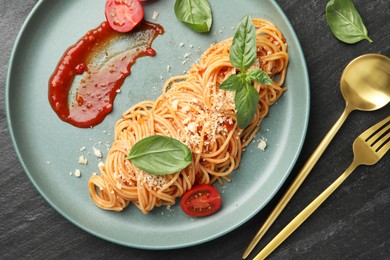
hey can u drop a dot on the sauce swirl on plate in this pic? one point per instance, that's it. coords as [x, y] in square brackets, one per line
[89, 75]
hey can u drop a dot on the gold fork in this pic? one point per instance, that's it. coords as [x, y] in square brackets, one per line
[368, 149]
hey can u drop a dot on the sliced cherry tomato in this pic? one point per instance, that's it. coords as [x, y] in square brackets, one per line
[200, 201]
[123, 15]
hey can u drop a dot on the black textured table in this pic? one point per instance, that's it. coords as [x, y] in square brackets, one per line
[352, 224]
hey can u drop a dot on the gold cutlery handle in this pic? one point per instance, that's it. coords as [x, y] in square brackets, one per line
[298, 181]
[301, 217]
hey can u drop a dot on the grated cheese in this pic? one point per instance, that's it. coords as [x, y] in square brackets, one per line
[262, 144]
[97, 152]
[174, 104]
[77, 173]
[83, 160]
[154, 181]
[155, 15]
[202, 127]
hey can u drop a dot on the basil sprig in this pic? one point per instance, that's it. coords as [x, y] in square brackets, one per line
[243, 53]
[160, 155]
[196, 14]
[345, 22]
[243, 50]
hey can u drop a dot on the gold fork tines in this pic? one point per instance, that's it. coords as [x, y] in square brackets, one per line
[380, 139]
[372, 144]
[368, 149]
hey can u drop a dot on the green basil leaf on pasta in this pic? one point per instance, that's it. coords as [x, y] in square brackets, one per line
[243, 51]
[160, 155]
[196, 14]
[345, 22]
[260, 76]
[246, 101]
[233, 83]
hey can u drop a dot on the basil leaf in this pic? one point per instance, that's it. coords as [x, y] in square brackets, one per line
[243, 51]
[345, 22]
[260, 76]
[246, 102]
[196, 14]
[233, 82]
[160, 155]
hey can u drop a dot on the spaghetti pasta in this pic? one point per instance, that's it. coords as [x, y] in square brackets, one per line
[195, 111]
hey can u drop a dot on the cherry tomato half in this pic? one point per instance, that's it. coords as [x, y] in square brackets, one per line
[200, 201]
[123, 15]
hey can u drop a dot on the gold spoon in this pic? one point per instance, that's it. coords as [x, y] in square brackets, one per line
[365, 86]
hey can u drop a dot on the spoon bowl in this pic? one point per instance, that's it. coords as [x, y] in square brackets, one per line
[365, 82]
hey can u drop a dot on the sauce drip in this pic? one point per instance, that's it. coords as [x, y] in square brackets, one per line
[95, 69]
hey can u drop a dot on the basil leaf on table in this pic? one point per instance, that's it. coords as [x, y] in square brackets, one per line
[196, 14]
[345, 22]
[246, 101]
[243, 51]
[160, 155]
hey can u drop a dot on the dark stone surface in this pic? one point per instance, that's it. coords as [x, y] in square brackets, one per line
[352, 224]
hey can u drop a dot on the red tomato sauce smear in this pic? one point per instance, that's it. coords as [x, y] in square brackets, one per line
[89, 75]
